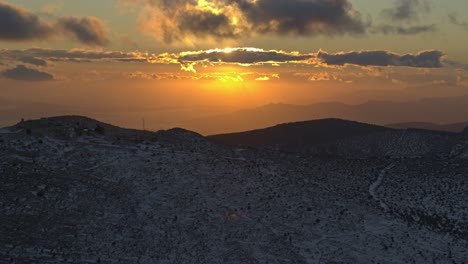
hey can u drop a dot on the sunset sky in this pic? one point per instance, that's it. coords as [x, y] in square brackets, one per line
[189, 58]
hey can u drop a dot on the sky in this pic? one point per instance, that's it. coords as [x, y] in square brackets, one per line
[175, 60]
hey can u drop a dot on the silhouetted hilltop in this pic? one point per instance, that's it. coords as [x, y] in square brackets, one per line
[74, 126]
[456, 127]
[300, 134]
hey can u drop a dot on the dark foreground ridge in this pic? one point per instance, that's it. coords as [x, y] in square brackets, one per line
[78, 190]
[455, 127]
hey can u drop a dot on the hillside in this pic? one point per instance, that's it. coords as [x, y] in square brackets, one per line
[73, 193]
[456, 127]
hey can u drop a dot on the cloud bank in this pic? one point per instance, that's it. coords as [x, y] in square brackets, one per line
[240, 56]
[424, 59]
[23, 73]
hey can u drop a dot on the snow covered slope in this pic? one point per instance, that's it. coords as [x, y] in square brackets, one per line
[79, 191]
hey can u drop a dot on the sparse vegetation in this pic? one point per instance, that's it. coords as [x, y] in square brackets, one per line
[183, 198]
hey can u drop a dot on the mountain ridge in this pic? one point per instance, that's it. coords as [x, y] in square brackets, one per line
[449, 110]
[296, 134]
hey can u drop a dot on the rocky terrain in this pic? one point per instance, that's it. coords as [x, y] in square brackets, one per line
[74, 190]
[456, 127]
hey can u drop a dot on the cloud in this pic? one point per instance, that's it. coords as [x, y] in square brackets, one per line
[87, 30]
[23, 73]
[411, 30]
[33, 61]
[456, 21]
[75, 55]
[457, 65]
[424, 59]
[242, 56]
[321, 76]
[406, 9]
[205, 23]
[189, 21]
[17, 24]
[331, 17]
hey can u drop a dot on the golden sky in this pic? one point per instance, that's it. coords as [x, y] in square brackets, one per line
[220, 55]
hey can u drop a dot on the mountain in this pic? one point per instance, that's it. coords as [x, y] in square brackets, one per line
[342, 137]
[299, 134]
[78, 190]
[433, 110]
[456, 128]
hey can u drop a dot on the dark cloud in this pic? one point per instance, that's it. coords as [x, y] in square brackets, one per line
[189, 20]
[33, 61]
[456, 21]
[411, 30]
[331, 17]
[23, 73]
[87, 30]
[206, 23]
[73, 55]
[424, 59]
[17, 24]
[407, 9]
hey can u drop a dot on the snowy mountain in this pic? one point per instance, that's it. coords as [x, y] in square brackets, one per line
[80, 191]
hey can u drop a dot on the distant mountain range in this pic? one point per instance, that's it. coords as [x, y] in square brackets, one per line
[446, 114]
[434, 110]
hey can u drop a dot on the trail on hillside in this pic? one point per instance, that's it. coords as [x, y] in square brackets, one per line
[375, 186]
